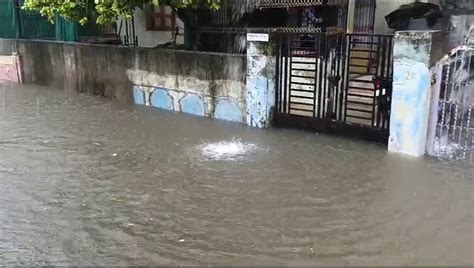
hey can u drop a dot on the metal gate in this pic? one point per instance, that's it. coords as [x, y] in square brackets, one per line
[454, 133]
[336, 83]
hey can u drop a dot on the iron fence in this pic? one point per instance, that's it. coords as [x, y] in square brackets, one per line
[127, 33]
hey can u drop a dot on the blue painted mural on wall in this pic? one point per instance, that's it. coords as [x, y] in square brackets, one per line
[228, 110]
[225, 109]
[160, 98]
[138, 95]
[192, 104]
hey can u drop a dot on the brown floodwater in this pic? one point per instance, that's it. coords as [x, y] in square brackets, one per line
[87, 181]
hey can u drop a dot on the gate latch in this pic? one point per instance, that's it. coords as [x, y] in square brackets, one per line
[382, 83]
[433, 80]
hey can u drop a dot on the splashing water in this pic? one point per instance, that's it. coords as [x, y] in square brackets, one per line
[226, 150]
[444, 148]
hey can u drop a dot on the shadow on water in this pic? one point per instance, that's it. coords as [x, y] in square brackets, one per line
[85, 181]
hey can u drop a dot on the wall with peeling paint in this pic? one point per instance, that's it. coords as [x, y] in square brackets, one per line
[203, 84]
[261, 71]
[415, 54]
[213, 86]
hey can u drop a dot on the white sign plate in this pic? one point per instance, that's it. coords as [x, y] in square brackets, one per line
[257, 37]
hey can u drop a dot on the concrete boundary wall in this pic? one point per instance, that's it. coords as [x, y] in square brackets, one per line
[204, 84]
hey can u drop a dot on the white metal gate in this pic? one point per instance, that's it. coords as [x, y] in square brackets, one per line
[454, 128]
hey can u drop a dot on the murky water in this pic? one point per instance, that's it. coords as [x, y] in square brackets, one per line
[85, 181]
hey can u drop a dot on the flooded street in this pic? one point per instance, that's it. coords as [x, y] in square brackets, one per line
[87, 181]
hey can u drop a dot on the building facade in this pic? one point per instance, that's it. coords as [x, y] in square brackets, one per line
[152, 27]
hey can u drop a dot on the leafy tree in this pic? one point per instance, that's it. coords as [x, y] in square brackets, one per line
[109, 11]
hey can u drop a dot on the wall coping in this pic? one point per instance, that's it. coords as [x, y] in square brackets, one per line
[130, 48]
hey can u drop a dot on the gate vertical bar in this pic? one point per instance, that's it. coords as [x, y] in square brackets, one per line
[454, 104]
[377, 71]
[343, 74]
[290, 60]
[338, 76]
[469, 130]
[383, 76]
[319, 61]
[325, 76]
[277, 76]
[315, 99]
[390, 76]
[348, 68]
[285, 85]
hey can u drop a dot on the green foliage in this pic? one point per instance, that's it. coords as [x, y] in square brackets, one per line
[107, 11]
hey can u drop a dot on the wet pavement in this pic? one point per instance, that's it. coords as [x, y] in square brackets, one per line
[87, 181]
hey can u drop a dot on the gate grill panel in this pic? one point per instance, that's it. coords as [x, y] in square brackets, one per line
[310, 75]
[369, 81]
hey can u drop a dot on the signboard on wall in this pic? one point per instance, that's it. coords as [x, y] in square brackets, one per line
[258, 37]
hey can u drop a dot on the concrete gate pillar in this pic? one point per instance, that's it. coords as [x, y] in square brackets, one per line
[415, 55]
[261, 69]
[351, 16]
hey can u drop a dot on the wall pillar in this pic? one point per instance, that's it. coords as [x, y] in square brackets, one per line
[415, 53]
[9, 68]
[351, 16]
[261, 68]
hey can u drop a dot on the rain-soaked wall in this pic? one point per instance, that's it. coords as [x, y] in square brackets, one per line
[204, 84]
[415, 58]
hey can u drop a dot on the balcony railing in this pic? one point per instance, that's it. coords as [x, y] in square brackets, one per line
[297, 3]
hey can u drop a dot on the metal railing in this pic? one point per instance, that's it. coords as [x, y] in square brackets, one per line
[297, 3]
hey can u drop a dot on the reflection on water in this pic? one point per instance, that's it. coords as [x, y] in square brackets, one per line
[85, 181]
